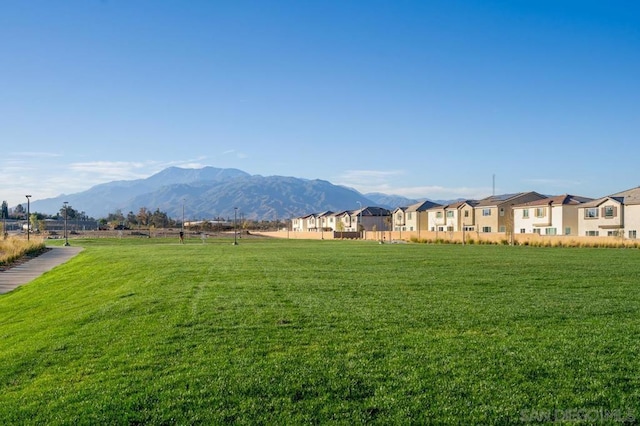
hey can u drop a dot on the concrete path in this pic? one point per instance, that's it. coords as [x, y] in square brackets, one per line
[33, 268]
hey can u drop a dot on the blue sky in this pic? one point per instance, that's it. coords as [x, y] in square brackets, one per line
[415, 98]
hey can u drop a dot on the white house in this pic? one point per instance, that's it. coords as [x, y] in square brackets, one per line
[614, 215]
[550, 216]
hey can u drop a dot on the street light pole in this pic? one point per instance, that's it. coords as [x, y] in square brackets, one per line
[66, 236]
[28, 216]
[359, 217]
[235, 226]
[4, 225]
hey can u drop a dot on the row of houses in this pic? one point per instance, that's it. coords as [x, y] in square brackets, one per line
[521, 213]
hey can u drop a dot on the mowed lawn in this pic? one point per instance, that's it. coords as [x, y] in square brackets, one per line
[289, 332]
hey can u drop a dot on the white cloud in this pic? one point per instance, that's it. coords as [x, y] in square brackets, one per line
[236, 153]
[111, 170]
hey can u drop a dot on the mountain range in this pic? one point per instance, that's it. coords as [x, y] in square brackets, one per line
[213, 192]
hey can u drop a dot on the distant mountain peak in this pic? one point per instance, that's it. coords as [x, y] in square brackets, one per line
[210, 192]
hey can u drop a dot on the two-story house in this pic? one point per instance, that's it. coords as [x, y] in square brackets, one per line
[495, 213]
[453, 217]
[614, 215]
[549, 216]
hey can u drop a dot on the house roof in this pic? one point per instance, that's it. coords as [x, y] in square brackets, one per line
[455, 205]
[565, 200]
[371, 211]
[495, 200]
[628, 197]
[459, 204]
[421, 206]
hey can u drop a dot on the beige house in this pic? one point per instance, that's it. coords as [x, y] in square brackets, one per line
[414, 217]
[495, 213]
[614, 215]
[344, 221]
[417, 218]
[326, 221]
[370, 219]
[550, 216]
[399, 219]
[299, 224]
[452, 217]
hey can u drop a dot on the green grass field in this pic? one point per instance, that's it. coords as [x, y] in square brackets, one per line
[288, 332]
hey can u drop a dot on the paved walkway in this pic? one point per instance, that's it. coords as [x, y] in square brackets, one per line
[32, 269]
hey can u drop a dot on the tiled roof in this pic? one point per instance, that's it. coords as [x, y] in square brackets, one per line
[628, 197]
[565, 199]
[422, 206]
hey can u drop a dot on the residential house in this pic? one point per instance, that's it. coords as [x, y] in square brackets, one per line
[326, 221]
[416, 216]
[550, 216]
[398, 219]
[452, 217]
[614, 215]
[344, 221]
[370, 219]
[299, 224]
[495, 213]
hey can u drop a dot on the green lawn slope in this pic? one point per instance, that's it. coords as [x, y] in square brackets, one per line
[348, 332]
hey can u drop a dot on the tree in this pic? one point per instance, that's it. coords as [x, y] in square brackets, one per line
[340, 226]
[159, 219]
[33, 220]
[132, 219]
[18, 211]
[143, 216]
[70, 212]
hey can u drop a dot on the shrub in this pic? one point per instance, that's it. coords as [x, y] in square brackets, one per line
[13, 249]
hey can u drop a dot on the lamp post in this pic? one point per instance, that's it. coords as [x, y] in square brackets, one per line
[66, 235]
[182, 225]
[235, 226]
[359, 217]
[28, 216]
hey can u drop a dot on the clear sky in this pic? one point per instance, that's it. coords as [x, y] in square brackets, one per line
[415, 98]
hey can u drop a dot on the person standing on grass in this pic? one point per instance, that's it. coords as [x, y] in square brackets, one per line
[181, 237]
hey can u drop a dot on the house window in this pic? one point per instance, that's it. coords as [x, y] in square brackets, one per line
[525, 214]
[450, 228]
[592, 233]
[540, 211]
[608, 211]
[502, 229]
[567, 231]
[486, 212]
[632, 234]
[536, 231]
[409, 216]
[613, 233]
[486, 229]
[411, 228]
[439, 215]
[450, 213]
[551, 231]
[501, 211]
[440, 228]
[469, 228]
[522, 230]
[466, 213]
[590, 214]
